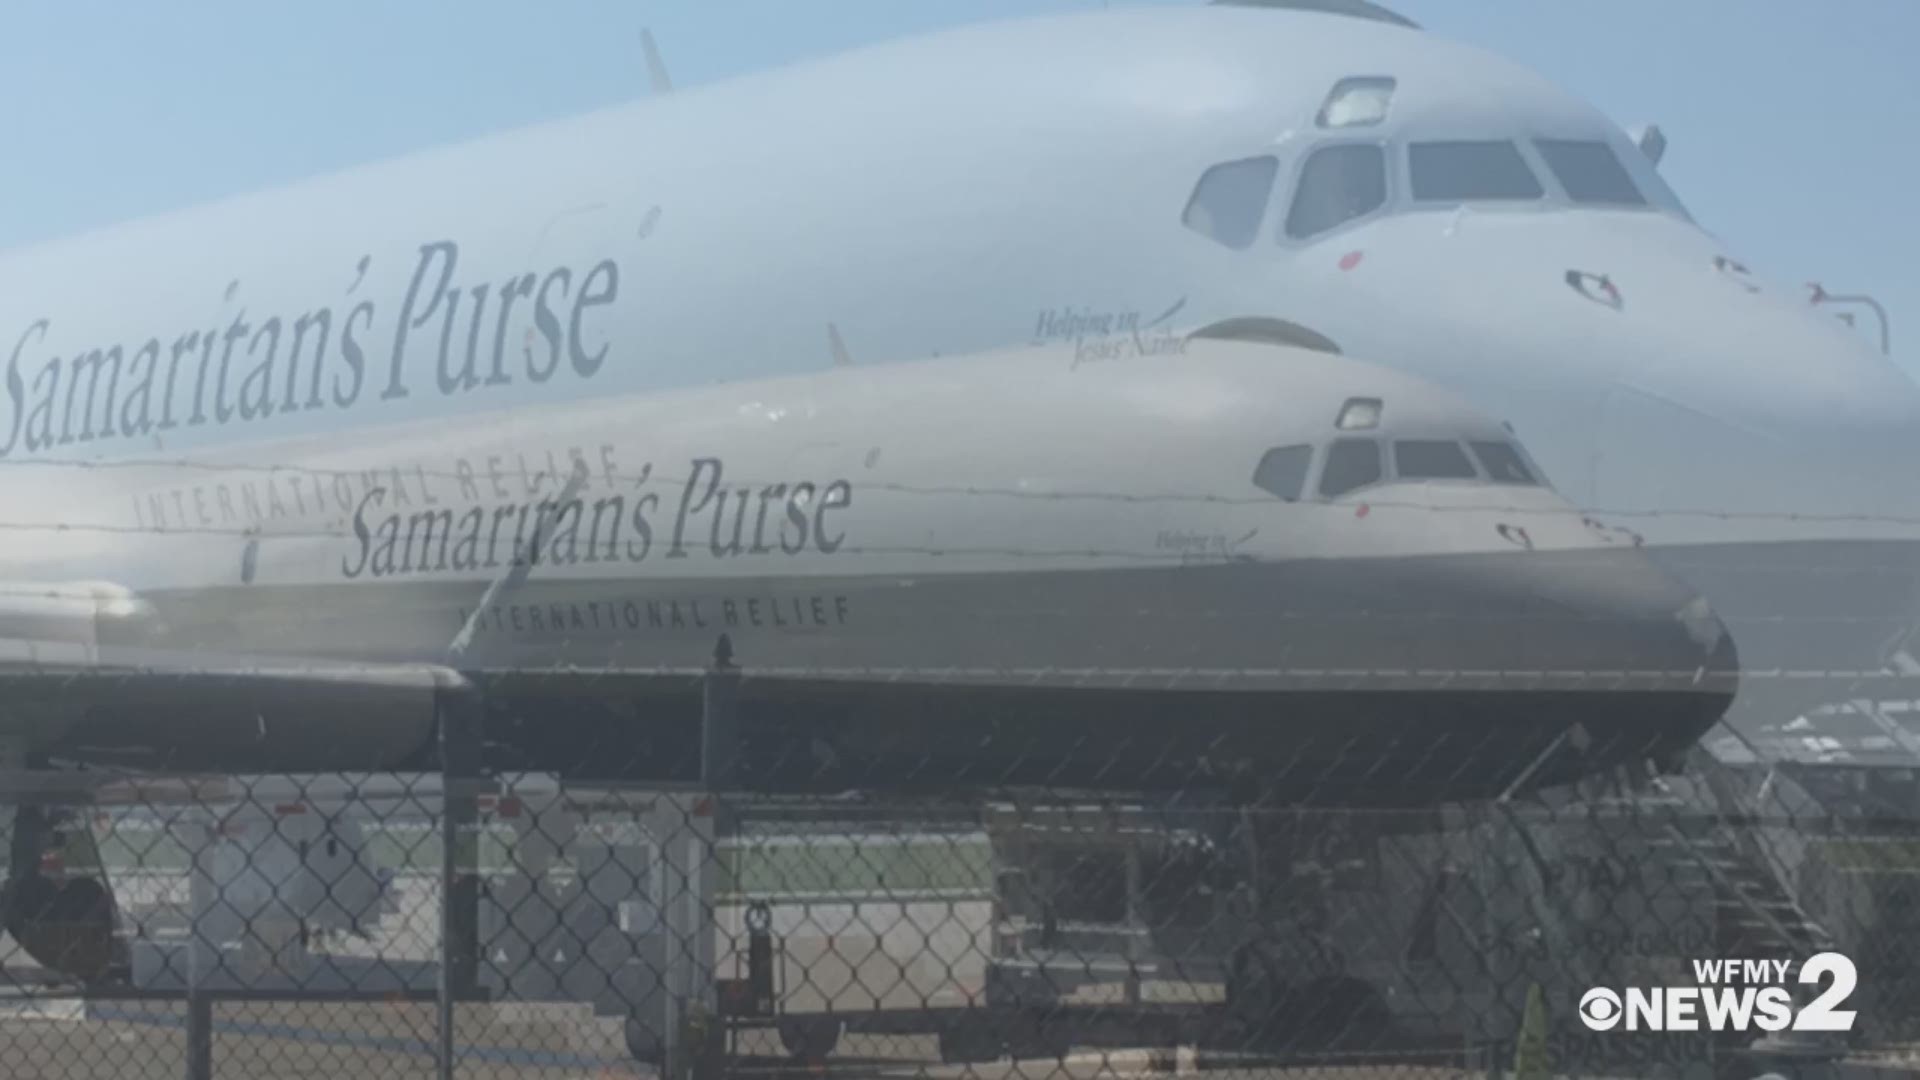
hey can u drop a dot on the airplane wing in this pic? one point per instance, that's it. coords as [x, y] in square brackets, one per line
[60, 670]
[238, 710]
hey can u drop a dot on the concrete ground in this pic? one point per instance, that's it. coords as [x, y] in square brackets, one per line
[393, 1042]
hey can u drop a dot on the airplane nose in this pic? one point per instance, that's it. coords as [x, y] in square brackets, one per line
[1694, 328]
[1605, 615]
[1579, 619]
[1637, 328]
[1589, 657]
[1771, 364]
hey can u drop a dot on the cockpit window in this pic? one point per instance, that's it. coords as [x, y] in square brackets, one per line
[1231, 200]
[1431, 459]
[1351, 464]
[1503, 463]
[1469, 171]
[1590, 171]
[1338, 183]
[1283, 471]
[1357, 102]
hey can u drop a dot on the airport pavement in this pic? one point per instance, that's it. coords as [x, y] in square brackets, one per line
[393, 1042]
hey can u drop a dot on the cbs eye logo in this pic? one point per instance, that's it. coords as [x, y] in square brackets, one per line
[1600, 1008]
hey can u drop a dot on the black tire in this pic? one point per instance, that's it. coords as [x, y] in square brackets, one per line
[810, 1040]
[1053, 1041]
[970, 1041]
[1040, 1035]
[644, 1043]
[1330, 1012]
[1257, 992]
[1341, 1013]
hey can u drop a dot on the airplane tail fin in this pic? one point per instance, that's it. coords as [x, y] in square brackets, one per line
[656, 68]
[838, 347]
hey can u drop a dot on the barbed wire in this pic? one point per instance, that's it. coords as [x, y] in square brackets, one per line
[532, 482]
[102, 666]
[1096, 899]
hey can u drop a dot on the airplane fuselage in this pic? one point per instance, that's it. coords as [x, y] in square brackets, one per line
[889, 205]
[933, 599]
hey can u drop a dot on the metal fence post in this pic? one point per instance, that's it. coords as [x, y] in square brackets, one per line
[199, 1035]
[202, 956]
[458, 709]
[694, 1035]
[720, 720]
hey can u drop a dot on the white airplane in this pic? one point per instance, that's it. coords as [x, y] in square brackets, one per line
[1318, 580]
[1125, 182]
[1122, 179]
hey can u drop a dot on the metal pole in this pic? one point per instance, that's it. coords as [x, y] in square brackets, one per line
[202, 954]
[1534, 765]
[1880, 312]
[720, 720]
[1821, 296]
[1137, 928]
[199, 1035]
[695, 1045]
[458, 711]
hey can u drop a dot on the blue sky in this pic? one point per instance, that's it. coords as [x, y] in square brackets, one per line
[1792, 124]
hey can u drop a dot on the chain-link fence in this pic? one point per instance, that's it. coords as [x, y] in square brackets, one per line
[1335, 812]
[511, 923]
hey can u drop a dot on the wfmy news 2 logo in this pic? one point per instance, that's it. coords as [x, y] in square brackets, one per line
[1731, 995]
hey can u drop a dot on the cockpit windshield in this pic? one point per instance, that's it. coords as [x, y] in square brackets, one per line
[1231, 199]
[1590, 172]
[1467, 171]
[1503, 463]
[1337, 178]
[1338, 183]
[1350, 464]
[1431, 459]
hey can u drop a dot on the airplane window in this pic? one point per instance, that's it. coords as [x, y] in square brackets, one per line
[1283, 471]
[1590, 171]
[1231, 200]
[1351, 464]
[1431, 459]
[1660, 194]
[1357, 102]
[1466, 171]
[1338, 184]
[1503, 463]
